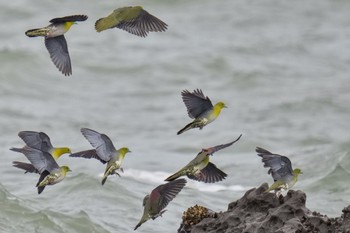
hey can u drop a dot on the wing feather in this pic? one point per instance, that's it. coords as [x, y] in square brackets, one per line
[58, 50]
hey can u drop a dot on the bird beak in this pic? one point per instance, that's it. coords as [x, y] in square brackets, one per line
[225, 106]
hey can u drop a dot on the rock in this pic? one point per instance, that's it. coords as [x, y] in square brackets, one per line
[261, 212]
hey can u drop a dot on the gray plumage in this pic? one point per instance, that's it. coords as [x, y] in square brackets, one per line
[280, 166]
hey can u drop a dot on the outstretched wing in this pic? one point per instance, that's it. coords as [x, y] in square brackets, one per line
[196, 103]
[58, 50]
[71, 18]
[88, 154]
[214, 149]
[209, 174]
[142, 24]
[40, 160]
[167, 192]
[25, 166]
[280, 166]
[36, 140]
[103, 145]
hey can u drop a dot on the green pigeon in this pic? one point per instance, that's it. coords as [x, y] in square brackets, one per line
[40, 141]
[200, 108]
[159, 198]
[133, 19]
[104, 151]
[55, 41]
[200, 169]
[50, 172]
[280, 168]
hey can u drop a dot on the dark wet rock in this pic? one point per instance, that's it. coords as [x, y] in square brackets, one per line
[261, 212]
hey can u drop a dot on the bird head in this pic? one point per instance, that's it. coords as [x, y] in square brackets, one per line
[60, 151]
[65, 169]
[221, 105]
[297, 171]
[124, 150]
[65, 150]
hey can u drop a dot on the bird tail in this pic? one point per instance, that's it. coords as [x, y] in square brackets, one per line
[174, 176]
[187, 127]
[104, 179]
[17, 149]
[41, 185]
[37, 32]
[143, 219]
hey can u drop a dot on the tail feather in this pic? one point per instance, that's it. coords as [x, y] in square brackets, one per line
[187, 127]
[17, 149]
[174, 176]
[37, 32]
[104, 180]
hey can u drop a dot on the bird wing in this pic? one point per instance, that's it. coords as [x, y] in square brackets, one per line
[36, 140]
[214, 149]
[142, 24]
[280, 166]
[103, 145]
[71, 18]
[58, 50]
[209, 174]
[88, 154]
[25, 166]
[167, 192]
[196, 103]
[40, 160]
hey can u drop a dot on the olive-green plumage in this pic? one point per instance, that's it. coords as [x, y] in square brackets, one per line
[200, 108]
[201, 169]
[50, 172]
[55, 41]
[104, 151]
[158, 199]
[133, 19]
[280, 169]
[40, 141]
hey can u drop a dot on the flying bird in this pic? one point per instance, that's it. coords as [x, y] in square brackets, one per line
[201, 169]
[39, 141]
[55, 41]
[159, 198]
[280, 169]
[200, 109]
[50, 172]
[133, 19]
[104, 151]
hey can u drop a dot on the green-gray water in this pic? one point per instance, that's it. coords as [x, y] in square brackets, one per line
[282, 67]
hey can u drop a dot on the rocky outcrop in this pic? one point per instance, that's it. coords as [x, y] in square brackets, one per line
[261, 212]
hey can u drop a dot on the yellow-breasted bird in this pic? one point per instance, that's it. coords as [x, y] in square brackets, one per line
[201, 169]
[55, 41]
[280, 169]
[159, 198]
[40, 141]
[104, 151]
[50, 172]
[133, 19]
[200, 109]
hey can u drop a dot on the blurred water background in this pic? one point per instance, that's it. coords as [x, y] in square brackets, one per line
[282, 67]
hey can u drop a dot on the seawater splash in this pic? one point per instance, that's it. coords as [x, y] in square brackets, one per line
[157, 177]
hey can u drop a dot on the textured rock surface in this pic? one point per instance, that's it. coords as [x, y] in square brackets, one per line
[261, 212]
